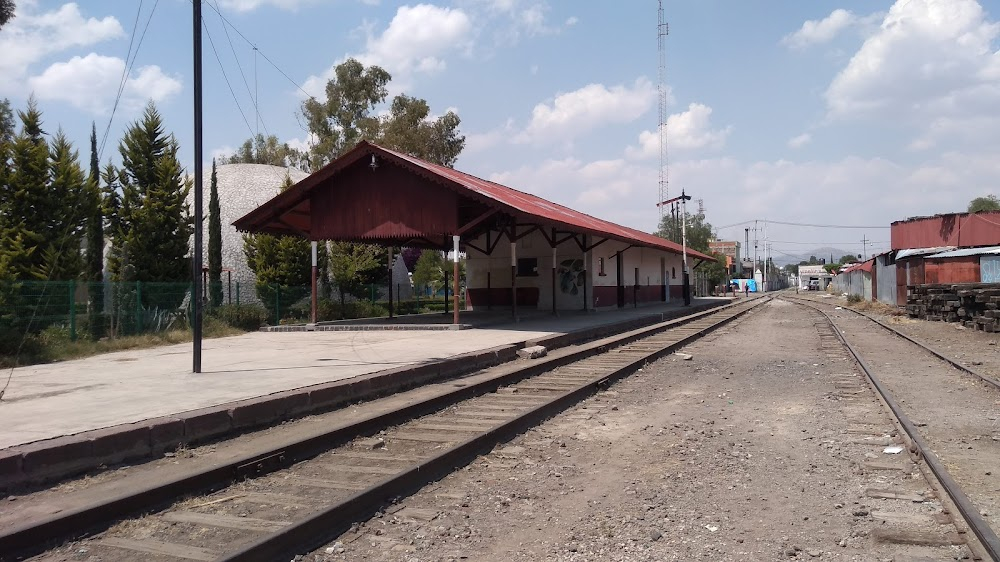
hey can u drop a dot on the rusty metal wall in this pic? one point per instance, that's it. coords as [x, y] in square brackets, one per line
[960, 230]
[952, 270]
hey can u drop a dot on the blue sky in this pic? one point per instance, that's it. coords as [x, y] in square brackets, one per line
[841, 113]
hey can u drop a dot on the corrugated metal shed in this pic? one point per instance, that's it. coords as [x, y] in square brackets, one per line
[964, 252]
[952, 229]
[291, 211]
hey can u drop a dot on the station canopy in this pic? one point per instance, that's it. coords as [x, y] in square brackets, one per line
[379, 196]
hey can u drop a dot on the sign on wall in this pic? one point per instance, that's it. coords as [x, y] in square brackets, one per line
[989, 269]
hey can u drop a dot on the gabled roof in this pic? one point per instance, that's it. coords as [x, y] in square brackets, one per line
[492, 194]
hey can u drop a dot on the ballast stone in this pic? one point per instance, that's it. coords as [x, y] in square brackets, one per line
[533, 352]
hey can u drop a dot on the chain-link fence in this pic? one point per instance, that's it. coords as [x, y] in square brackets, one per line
[117, 309]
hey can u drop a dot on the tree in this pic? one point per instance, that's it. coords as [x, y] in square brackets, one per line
[792, 269]
[71, 201]
[699, 231]
[153, 219]
[6, 11]
[94, 270]
[410, 257]
[282, 265]
[349, 262]
[429, 271]
[214, 241]
[268, 150]
[847, 258]
[716, 272]
[985, 203]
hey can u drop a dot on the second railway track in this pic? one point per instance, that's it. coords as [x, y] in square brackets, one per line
[950, 412]
[297, 496]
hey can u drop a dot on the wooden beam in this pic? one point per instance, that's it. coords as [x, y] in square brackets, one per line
[294, 229]
[595, 244]
[471, 224]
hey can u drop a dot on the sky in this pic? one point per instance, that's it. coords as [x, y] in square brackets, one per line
[839, 113]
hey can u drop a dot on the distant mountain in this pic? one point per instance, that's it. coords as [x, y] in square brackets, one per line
[820, 253]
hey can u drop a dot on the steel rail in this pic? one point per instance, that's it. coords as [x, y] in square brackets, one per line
[32, 536]
[332, 521]
[961, 367]
[987, 537]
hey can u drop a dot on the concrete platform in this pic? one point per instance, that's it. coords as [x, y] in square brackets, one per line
[75, 415]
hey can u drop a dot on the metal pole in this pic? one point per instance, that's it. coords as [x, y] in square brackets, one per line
[765, 288]
[390, 282]
[454, 319]
[684, 222]
[196, 273]
[315, 268]
[554, 273]
[513, 272]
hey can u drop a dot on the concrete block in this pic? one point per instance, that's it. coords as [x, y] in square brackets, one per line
[10, 467]
[165, 433]
[533, 352]
[57, 457]
[257, 411]
[297, 402]
[115, 444]
[205, 423]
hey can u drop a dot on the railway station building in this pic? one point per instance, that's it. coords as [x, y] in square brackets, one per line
[522, 250]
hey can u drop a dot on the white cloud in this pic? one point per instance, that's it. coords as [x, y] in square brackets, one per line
[800, 140]
[591, 106]
[251, 5]
[416, 41]
[855, 190]
[510, 20]
[930, 58]
[31, 36]
[688, 130]
[91, 83]
[820, 31]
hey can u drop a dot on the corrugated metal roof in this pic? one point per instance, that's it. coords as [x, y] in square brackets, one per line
[964, 252]
[478, 188]
[910, 252]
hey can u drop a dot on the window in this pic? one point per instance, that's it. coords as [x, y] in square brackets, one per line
[600, 267]
[673, 272]
[527, 267]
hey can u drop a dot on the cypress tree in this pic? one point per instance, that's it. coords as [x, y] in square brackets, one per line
[95, 240]
[214, 242]
[154, 220]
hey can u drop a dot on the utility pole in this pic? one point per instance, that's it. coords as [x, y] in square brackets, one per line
[196, 293]
[766, 253]
[746, 248]
[864, 247]
[662, 29]
[683, 210]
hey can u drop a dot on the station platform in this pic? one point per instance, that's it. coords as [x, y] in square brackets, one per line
[154, 390]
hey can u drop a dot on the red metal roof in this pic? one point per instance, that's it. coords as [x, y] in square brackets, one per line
[499, 195]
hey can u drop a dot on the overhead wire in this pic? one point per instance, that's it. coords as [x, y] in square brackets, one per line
[253, 97]
[226, 77]
[127, 71]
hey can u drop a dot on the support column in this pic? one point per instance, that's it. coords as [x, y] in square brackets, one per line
[390, 282]
[315, 269]
[554, 311]
[587, 256]
[513, 272]
[455, 280]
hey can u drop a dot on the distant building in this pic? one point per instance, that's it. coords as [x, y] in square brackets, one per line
[731, 250]
[809, 272]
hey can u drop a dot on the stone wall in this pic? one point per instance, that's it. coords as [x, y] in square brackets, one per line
[975, 305]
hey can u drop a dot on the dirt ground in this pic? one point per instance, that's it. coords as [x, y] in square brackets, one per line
[767, 445]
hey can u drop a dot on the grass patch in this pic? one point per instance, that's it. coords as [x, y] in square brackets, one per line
[876, 308]
[54, 343]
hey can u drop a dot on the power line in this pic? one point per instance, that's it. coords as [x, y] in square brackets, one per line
[256, 106]
[122, 80]
[251, 43]
[231, 91]
[809, 225]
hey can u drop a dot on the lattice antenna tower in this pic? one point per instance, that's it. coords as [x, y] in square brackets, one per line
[662, 30]
[701, 207]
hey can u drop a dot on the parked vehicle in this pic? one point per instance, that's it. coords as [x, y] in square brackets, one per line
[814, 284]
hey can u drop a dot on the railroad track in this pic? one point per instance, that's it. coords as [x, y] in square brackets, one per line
[296, 497]
[924, 447]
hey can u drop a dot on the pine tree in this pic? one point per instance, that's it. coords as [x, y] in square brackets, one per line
[24, 198]
[95, 240]
[154, 223]
[69, 198]
[214, 242]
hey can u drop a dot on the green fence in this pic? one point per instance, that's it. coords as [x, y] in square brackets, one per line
[116, 309]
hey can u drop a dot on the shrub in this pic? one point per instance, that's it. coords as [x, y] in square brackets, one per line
[854, 299]
[247, 317]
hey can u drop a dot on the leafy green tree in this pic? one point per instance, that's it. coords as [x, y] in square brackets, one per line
[986, 203]
[699, 231]
[282, 264]
[95, 241]
[847, 258]
[268, 150]
[429, 271]
[71, 201]
[153, 219]
[349, 262]
[716, 272]
[6, 11]
[214, 241]
[6, 120]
